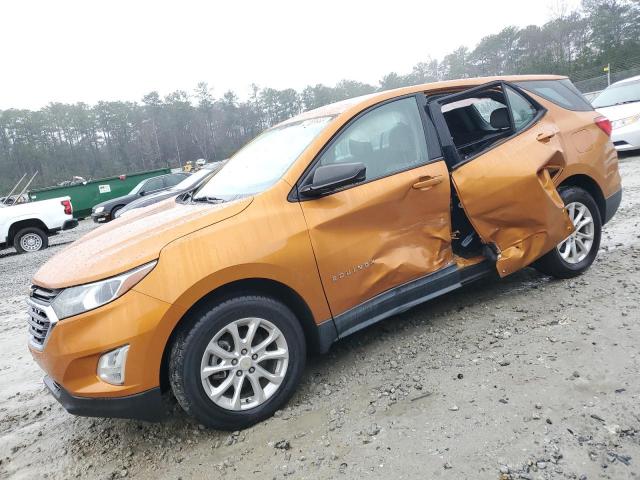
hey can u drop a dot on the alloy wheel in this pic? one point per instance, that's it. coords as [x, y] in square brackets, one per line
[578, 245]
[244, 364]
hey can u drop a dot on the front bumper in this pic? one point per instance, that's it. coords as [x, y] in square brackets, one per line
[100, 217]
[73, 346]
[146, 406]
[626, 138]
[611, 206]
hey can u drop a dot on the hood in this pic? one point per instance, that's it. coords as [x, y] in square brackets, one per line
[115, 201]
[130, 241]
[617, 112]
[149, 200]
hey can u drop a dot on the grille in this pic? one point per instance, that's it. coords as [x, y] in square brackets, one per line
[43, 294]
[40, 315]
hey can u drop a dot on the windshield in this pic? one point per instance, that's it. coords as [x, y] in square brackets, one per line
[191, 180]
[137, 188]
[618, 94]
[262, 161]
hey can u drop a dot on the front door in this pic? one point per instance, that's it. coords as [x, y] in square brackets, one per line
[394, 226]
[504, 153]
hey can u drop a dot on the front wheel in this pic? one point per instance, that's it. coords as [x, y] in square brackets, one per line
[238, 363]
[114, 212]
[575, 254]
[30, 239]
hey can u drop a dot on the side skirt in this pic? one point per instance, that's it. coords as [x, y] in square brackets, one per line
[408, 295]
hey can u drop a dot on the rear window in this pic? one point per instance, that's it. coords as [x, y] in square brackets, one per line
[561, 92]
[618, 94]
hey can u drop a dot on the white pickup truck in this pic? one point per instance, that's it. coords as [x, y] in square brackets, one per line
[27, 226]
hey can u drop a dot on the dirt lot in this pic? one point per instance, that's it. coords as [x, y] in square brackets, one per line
[527, 377]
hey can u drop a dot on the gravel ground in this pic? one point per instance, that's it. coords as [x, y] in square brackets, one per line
[527, 377]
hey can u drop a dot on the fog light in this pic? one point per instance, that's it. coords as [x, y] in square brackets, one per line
[111, 365]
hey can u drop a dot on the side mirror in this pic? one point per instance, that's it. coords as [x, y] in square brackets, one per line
[331, 177]
[142, 193]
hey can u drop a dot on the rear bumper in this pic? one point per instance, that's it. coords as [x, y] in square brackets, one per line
[611, 206]
[146, 406]
[69, 224]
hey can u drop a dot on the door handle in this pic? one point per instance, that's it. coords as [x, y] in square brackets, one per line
[546, 135]
[427, 182]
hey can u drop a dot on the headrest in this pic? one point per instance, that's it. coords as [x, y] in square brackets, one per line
[401, 137]
[360, 149]
[500, 118]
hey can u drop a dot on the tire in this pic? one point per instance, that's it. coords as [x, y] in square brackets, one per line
[30, 239]
[116, 209]
[190, 355]
[553, 263]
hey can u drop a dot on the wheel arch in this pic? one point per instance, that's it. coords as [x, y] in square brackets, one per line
[316, 340]
[591, 186]
[20, 224]
[113, 209]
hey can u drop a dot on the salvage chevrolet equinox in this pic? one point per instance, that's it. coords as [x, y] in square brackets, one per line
[324, 224]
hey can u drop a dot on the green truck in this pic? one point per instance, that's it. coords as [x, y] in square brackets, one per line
[87, 194]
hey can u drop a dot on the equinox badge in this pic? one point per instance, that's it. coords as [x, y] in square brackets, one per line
[352, 270]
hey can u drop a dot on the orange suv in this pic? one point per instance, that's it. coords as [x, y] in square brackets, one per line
[324, 224]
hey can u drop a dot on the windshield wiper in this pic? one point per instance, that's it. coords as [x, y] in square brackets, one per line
[208, 200]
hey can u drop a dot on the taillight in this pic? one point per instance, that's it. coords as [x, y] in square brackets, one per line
[605, 125]
[68, 209]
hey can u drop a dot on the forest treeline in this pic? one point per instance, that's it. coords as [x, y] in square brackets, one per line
[108, 138]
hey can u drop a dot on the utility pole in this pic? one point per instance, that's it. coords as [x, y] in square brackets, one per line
[608, 70]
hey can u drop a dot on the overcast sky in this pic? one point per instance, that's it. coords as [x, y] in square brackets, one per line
[90, 50]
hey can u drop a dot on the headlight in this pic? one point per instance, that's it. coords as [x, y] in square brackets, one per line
[623, 122]
[74, 300]
[99, 210]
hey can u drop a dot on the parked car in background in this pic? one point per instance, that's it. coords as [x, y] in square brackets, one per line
[106, 211]
[192, 181]
[620, 103]
[28, 226]
[321, 226]
[87, 194]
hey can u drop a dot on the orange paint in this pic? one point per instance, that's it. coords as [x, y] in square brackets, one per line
[334, 252]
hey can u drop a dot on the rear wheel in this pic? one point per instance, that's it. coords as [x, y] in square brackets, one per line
[238, 363]
[30, 239]
[576, 253]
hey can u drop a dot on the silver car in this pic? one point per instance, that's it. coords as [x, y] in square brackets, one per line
[620, 103]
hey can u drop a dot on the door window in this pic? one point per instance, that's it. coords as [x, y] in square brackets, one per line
[387, 140]
[522, 110]
[171, 180]
[560, 92]
[152, 185]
